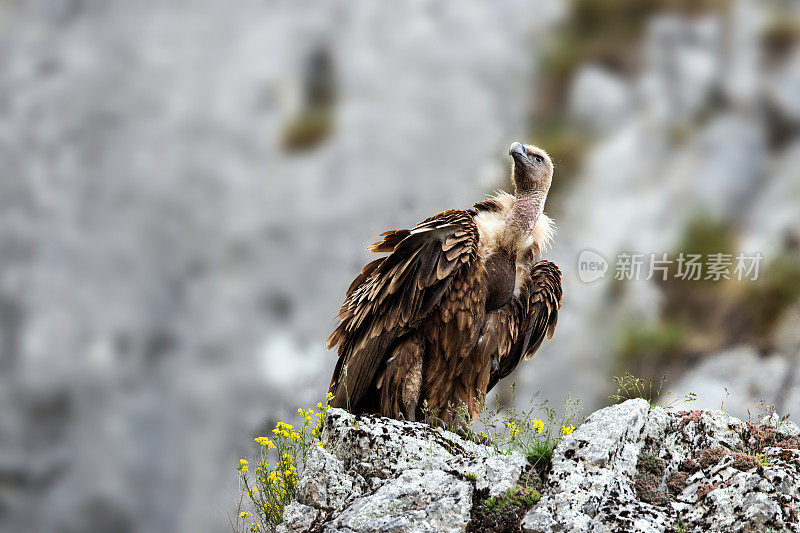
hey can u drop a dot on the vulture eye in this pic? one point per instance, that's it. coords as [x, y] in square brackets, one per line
[538, 158]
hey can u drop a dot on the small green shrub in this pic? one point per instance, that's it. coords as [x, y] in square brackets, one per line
[525, 432]
[501, 513]
[678, 528]
[776, 290]
[763, 459]
[518, 496]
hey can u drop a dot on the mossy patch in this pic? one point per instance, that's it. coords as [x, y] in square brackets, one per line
[744, 462]
[532, 480]
[502, 513]
[648, 489]
[647, 481]
[756, 438]
[676, 482]
[712, 456]
[792, 443]
[648, 462]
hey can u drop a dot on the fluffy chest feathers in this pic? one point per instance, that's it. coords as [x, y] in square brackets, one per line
[506, 261]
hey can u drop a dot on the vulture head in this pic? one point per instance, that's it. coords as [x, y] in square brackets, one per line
[533, 169]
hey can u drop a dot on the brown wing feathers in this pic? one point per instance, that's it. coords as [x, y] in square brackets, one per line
[392, 295]
[517, 330]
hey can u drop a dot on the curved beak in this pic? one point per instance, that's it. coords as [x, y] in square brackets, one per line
[517, 150]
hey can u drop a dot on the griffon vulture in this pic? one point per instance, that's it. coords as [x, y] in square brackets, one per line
[454, 307]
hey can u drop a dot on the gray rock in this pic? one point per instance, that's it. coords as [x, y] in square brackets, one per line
[788, 430]
[380, 474]
[377, 473]
[380, 448]
[497, 473]
[588, 465]
[297, 518]
[418, 500]
[592, 482]
[325, 484]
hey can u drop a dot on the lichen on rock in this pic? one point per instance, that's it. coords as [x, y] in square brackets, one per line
[628, 467]
[376, 473]
[690, 468]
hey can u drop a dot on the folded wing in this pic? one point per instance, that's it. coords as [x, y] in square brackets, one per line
[394, 294]
[517, 330]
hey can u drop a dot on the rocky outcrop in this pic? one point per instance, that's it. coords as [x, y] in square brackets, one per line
[629, 467]
[376, 473]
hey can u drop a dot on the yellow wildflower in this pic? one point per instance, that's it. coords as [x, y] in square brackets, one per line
[255, 527]
[566, 430]
[538, 425]
[245, 514]
[319, 405]
[319, 445]
[242, 465]
[265, 442]
[329, 396]
[513, 430]
[281, 432]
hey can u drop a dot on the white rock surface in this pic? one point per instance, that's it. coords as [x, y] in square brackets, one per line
[380, 474]
[376, 473]
[592, 482]
[297, 517]
[417, 500]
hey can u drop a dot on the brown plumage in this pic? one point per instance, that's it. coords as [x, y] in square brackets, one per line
[454, 307]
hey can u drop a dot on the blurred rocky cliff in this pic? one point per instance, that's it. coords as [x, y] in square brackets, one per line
[186, 191]
[187, 188]
[692, 146]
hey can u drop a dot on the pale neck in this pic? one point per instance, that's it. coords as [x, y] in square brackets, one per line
[524, 214]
